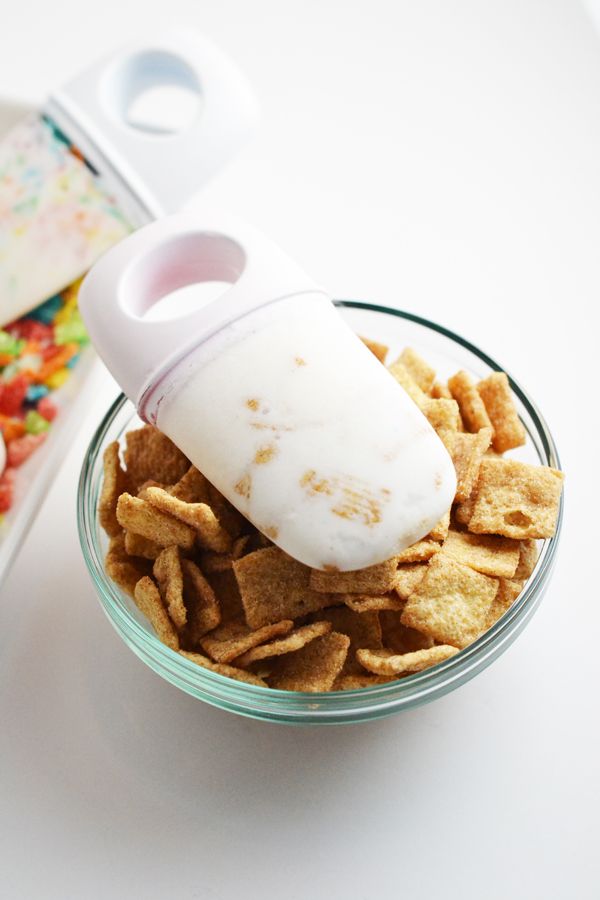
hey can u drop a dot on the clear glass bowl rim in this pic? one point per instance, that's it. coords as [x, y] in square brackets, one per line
[315, 708]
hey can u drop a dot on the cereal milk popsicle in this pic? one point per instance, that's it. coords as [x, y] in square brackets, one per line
[270, 394]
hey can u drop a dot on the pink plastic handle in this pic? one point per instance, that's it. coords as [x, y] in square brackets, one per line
[167, 255]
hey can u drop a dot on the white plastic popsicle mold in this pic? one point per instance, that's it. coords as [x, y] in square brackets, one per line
[153, 174]
[163, 257]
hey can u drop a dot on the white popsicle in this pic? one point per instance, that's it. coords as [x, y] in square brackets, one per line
[271, 395]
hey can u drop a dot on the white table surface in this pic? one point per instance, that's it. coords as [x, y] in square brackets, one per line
[445, 158]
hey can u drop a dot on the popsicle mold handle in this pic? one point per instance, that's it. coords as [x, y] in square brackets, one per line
[161, 169]
[163, 257]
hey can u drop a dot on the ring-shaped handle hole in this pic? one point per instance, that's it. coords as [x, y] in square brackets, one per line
[182, 276]
[154, 92]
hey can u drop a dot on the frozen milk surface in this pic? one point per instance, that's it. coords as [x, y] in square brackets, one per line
[308, 435]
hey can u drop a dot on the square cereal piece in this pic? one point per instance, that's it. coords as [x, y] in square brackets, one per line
[211, 534]
[516, 500]
[114, 483]
[295, 640]
[377, 579]
[274, 586]
[227, 592]
[192, 487]
[508, 592]
[139, 516]
[407, 578]
[124, 570]
[420, 371]
[486, 553]
[230, 518]
[168, 574]
[148, 601]
[498, 400]
[149, 454]
[377, 349]
[419, 552]
[202, 606]
[399, 371]
[359, 681]
[221, 669]
[439, 532]
[440, 391]
[442, 415]
[380, 663]
[528, 554]
[398, 638]
[232, 640]
[215, 562]
[313, 668]
[136, 545]
[467, 451]
[363, 629]
[362, 603]
[472, 410]
[463, 511]
[451, 602]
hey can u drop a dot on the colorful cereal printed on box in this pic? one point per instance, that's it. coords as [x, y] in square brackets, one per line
[37, 354]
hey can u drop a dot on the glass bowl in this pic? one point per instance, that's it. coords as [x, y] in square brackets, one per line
[447, 352]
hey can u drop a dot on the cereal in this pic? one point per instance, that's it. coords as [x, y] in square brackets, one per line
[463, 511]
[451, 602]
[497, 398]
[380, 663]
[114, 484]
[362, 603]
[202, 607]
[439, 532]
[418, 369]
[295, 640]
[230, 641]
[123, 569]
[227, 592]
[516, 499]
[221, 669]
[358, 681]
[148, 600]
[467, 451]
[488, 554]
[149, 454]
[440, 391]
[399, 638]
[167, 571]
[192, 487]
[407, 578]
[136, 545]
[419, 552]
[442, 415]
[235, 604]
[508, 592]
[211, 535]
[373, 580]
[363, 629]
[142, 518]
[379, 350]
[313, 668]
[274, 586]
[472, 410]
[528, 554]
[403, 377]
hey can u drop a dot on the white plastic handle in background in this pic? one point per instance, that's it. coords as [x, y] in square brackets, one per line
[157, 260]
[156, 173]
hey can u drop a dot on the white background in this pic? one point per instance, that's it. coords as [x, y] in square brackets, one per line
[439, 156]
